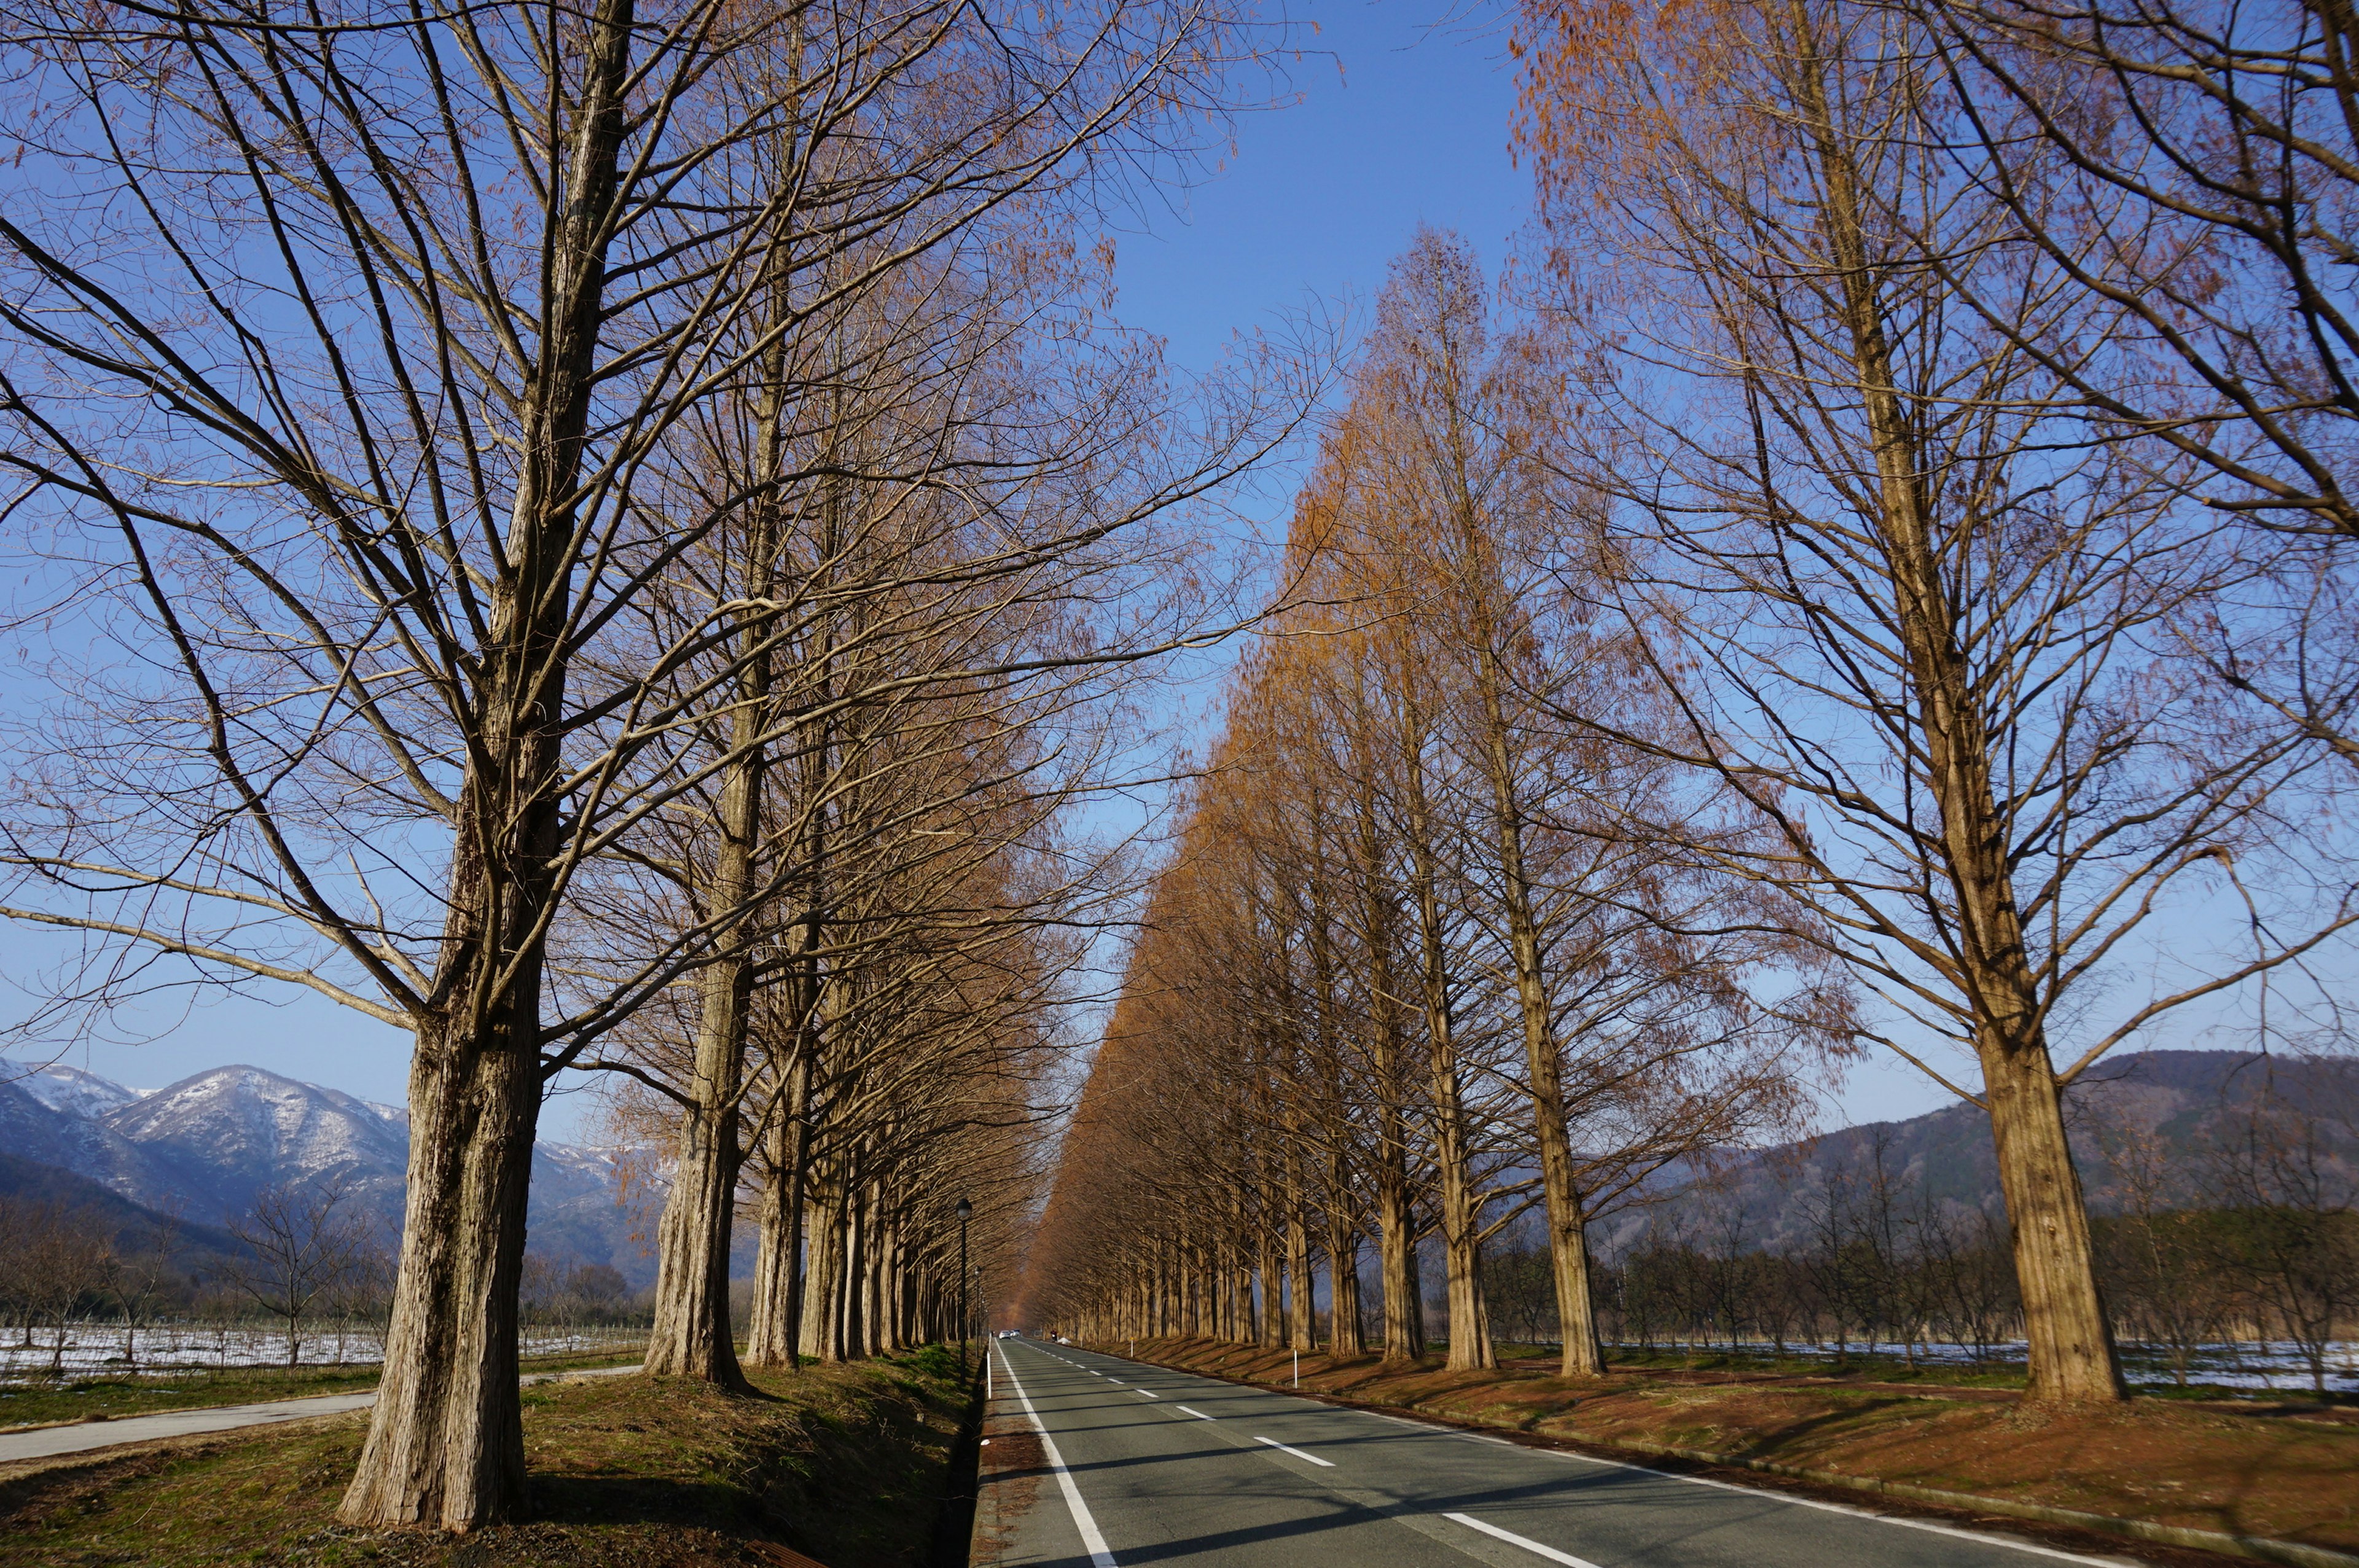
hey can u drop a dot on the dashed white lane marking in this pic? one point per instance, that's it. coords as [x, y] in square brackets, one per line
[1982, 1538]
[1274, 1442]
[1512, 1539]
[1200, 1415]
[1148, 1392]
[1092, 1541]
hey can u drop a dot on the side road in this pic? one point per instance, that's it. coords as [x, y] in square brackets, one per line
[48, 1442]
[2269, 1483]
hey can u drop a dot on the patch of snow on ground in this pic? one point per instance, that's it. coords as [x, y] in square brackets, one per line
[2276, 1366]
[96, 1349]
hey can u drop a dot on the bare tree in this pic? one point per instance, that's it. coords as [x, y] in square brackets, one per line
[142, 1270]
[299, 1247]
[349, 355]
[1899, 601]
[53, 1260]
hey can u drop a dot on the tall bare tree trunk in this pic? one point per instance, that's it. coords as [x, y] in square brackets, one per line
[774, 1337]
[692, 1337]
[2070, 1345]
[1344, 1335]
[445, 1444]
[1469, 1318]
[1302, 1326]
[1395, 1221]
[1567, 1227]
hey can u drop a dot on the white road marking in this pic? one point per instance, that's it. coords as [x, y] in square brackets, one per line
[1092, 1541]
[1200, 1415]
[1274, 1442]
[1991, 1538]
[1986, 1538]
[1512, 1539]
[1148, 1392]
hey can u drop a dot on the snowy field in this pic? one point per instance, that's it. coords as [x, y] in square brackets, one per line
[2272, 1367]
[97, 1348]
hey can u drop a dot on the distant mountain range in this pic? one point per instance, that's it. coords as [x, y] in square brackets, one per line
[2184, 1098]
[204, 1146]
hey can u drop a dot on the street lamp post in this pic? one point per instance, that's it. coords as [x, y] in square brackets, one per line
[966, 1212]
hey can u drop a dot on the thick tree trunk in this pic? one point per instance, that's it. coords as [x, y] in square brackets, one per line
[445, 1444]
[1469, 1318]
[774, 1339]
[822, 1281]
[1567, 1231]
[1302, 1330]
[692, 1335]
[446, 1437]
[1344, 1335]
[2072, 1353]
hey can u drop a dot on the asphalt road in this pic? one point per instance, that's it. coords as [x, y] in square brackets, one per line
[1142, 1466]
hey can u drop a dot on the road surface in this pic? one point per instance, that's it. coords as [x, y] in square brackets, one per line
[48, 1442]
[1139, 1465]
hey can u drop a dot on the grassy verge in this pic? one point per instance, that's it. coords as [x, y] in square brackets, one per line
[111, 1395]
[2288, 1471]
[844, 1464]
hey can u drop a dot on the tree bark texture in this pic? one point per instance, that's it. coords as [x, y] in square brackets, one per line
[2071, 1354]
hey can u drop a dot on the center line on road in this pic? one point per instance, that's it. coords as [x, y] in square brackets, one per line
[1200, 1415]
[1323, 1464]
[1512, 1539]
[1092, 1541]
[1149, 1393]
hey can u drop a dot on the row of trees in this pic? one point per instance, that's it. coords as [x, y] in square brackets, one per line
[295, 1254]
[1886, 585]
[2251, 1236]
[607, 537]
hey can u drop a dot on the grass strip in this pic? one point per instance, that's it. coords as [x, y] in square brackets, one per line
[847, 1464]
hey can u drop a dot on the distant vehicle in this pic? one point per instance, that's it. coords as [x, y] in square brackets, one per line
[1011, 1334]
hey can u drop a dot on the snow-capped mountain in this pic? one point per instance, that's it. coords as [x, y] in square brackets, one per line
[205, 1145]
[71, 1089]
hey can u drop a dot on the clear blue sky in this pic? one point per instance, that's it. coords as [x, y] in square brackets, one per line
[1403, 120]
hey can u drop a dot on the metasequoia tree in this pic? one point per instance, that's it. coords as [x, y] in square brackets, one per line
[1437, 486]
[2209, 154]
[1403, 936]
[922, 696]
[349, 355]
[1891, 588]
[2192, 180]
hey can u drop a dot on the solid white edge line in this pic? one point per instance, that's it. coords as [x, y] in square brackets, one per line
[1512, 1539]
[1274, 1442]
[1986, 1538]
[1200, 1415]
[1092, 1541]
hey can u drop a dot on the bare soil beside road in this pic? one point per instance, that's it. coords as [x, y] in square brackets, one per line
[2285, 1472]
[843, 1464]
